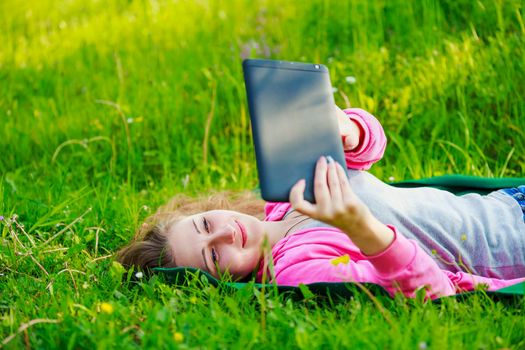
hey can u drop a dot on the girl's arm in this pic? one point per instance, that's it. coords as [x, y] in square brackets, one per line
[402, 268]
[364, 139]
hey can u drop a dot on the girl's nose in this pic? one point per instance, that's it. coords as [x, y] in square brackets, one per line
[223, 234]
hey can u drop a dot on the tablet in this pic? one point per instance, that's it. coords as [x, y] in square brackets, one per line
[294, 122]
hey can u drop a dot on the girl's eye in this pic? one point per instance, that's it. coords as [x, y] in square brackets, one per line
[205, 223]
[213, 256]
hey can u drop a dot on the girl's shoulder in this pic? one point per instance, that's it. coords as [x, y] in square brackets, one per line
[275, 211]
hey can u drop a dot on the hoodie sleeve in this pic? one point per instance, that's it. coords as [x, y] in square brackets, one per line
[402, 267]
[372, 143]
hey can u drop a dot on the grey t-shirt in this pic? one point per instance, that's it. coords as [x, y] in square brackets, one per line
[483, 235]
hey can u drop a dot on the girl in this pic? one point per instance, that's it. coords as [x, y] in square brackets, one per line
[359, 230]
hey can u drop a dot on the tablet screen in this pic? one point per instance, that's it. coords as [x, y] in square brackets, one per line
[294, 122]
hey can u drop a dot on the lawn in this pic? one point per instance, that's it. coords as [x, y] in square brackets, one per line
[109, 108]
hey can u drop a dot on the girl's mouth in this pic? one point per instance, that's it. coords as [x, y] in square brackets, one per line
[243, 233]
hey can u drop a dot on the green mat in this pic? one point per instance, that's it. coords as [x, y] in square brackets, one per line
[458, 184]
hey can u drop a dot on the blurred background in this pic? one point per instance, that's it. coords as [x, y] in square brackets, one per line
[110, 108]
[121, 104]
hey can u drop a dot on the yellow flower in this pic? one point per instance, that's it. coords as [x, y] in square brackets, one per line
[178, 337]
[463, 237]
[193, 300]
[343, 259]
[107, 308]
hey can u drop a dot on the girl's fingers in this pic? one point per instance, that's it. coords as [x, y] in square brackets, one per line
[344, 184]
[297, 200]
[321, 192]
[334, 183]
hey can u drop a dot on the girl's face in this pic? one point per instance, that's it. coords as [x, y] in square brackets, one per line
[218, 241]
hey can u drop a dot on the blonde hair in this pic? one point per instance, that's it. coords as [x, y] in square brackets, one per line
[149, 248]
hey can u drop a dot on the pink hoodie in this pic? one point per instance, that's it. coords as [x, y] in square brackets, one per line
[308, 255]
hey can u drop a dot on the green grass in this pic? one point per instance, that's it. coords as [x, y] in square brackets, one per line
[103, 108]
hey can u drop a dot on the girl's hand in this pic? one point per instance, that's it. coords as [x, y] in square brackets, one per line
[349, 130]
[336, 203]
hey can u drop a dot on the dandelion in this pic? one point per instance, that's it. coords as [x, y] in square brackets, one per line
[343, 259]
[178, 337]
[106, 308]
[139, 275]
[463, 237]
[350, 79]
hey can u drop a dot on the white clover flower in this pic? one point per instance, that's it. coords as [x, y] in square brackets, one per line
[350, 79]
[139, 275]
